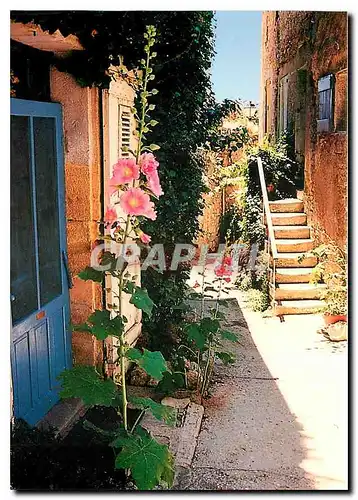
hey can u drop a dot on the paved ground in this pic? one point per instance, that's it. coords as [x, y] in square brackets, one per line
[277, 418]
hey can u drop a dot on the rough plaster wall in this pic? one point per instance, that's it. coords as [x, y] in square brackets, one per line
[268, 72]
[316, 42]
[83, 208]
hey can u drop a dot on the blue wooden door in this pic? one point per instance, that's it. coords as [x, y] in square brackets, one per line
[41, 343]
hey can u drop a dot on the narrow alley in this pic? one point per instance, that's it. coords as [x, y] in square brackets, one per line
[277, 418]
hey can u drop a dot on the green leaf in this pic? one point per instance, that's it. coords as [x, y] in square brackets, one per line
[149, 461]
[226, 357]
[85, 383]
[196, 335]
[154, 147]
[129, 287]
[225, 334]
[159, 411]
[152, 362]
[134, 354]
[83, 327]
[209, 325]
[101, 325]
[170, 382]
[141, 300]
[153, 123]
[90, 274]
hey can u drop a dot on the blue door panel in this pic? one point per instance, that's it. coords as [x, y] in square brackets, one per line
[41, 342]
[22, 391]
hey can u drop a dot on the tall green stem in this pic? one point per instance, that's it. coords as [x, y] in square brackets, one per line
[210, 361]
[122, 349]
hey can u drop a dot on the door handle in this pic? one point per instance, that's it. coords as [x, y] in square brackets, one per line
[68, 274]
[12, 297]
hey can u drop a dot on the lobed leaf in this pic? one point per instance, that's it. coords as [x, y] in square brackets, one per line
[85, 383]
[91, 274]
[152, 362]
[196, 335]
[141, 300]
[159, 411]
[227, 335]
[149, 461]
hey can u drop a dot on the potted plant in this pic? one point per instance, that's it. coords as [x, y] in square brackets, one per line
[336, 305]
[332, 271]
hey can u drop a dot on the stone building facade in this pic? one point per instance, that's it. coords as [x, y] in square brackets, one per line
[68, 171]
[304, 89]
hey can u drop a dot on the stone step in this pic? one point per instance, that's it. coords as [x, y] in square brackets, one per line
[299, 307]
[290, 259]
[294, 275]
[297, 291]
[291, 205]
[300, 245]
[288, 219]
[291, 232]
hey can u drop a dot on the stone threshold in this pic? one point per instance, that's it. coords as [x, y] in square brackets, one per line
[63, 416]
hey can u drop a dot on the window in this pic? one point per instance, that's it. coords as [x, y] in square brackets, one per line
[283, 103]
[124, 130]
[325, 104]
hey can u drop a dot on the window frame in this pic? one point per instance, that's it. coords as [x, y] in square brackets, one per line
[325, 118]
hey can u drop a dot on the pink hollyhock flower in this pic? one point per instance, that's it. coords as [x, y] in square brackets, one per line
[151, 213]
[110, 215]
[227, 261]
[136, 202]
[144, 238]
[149, 165]
[154, 184]
[227, 280]
[124, 171]
[224, 270]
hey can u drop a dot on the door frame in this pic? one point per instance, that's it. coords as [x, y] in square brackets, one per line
[33, 109]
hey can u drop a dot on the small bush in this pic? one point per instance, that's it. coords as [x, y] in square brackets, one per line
[258, 300]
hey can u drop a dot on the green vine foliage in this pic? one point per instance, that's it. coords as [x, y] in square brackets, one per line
[282, 175]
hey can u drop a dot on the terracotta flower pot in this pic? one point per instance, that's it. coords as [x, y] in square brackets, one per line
[330, 319]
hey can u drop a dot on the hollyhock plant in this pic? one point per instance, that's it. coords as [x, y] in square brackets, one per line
[125, 171]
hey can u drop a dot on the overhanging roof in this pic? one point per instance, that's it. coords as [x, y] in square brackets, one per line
[33, 35]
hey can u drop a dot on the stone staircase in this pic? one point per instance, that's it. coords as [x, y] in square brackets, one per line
[293, 293]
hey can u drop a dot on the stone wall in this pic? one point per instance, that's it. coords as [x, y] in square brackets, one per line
[80, 108]
[302, 47]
